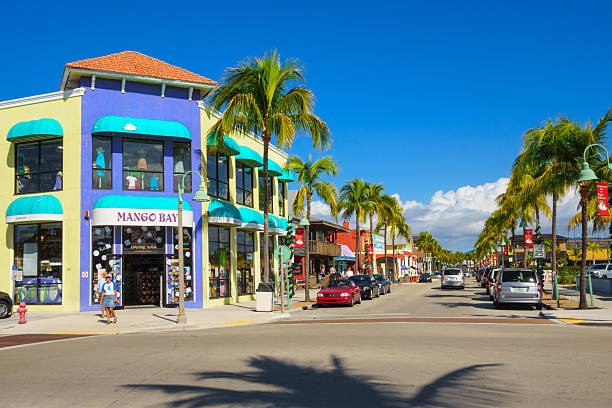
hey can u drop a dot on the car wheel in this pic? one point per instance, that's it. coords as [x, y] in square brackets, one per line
[498, 305]
[604, 277]
[352, 302]
[538, 306]
[389, 291]
[5, 310]
[359, 301]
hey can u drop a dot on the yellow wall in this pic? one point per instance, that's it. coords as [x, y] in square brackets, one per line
[68, 113]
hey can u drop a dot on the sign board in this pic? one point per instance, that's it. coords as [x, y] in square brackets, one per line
[539, 252]
[283, 252]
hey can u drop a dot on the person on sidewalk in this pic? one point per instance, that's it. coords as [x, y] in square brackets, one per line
[332, 270]
[349, 271]
[100, 291]
[110, 298]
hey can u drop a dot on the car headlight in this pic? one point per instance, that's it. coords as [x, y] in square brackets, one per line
[344, 294]
[319, 294]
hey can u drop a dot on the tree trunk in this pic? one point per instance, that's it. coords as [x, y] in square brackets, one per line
[393, 244]
[585, 232]
[553, 250]
[371, 243]
[357, 254]
[266, 233]
[307, 256]
[513, 248]
[386, 270]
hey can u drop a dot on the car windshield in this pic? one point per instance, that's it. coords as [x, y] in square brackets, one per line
[360, 278]
[519, 276]
[452, 272]
[379, 277]
[339, 283]
[598, 266]
[425, 274]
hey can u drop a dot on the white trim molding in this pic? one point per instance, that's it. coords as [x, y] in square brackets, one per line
[13, 219]
[53, 96]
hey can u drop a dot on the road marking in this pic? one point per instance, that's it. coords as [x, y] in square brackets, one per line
[237, 322]
[571, 320]
[99, 331]
[455, 320]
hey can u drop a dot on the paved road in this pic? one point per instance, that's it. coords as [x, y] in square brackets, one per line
[374, 364]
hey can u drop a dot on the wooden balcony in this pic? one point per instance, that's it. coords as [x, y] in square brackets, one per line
[324, 248]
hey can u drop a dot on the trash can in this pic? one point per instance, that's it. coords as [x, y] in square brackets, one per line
[264, 297]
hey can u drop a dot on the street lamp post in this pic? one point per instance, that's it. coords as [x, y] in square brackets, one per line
[199, 196]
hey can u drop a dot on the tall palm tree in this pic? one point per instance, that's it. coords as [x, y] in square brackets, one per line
[387, 205]
[374, 193]
[392, 214]
[309, 175]
[353, 202]
[265, 96]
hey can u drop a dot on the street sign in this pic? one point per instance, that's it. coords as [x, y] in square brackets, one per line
[538, 251]
[283, 252]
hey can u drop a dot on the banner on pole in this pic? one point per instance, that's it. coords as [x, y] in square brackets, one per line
[602, 199]
[528, 234]
[299, 238]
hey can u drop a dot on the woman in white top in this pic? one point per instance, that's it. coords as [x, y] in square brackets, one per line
[110, 298]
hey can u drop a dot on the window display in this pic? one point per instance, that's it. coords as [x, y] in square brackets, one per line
[245, 247]
[244, 184]
[38, 166]
[172, 268]
[143, 165]
[38, 255]
[101, 257]
[102, 169]
[182, 164]
[217, 170]
[219, 261]
[143, 239]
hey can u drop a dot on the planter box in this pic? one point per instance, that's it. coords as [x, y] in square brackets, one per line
[600, 286]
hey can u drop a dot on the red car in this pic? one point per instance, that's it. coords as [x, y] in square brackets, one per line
[339, 292]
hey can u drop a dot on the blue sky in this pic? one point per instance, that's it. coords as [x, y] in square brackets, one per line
[432, 96]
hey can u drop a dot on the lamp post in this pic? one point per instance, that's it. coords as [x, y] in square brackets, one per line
[199, 196]
[587, 174]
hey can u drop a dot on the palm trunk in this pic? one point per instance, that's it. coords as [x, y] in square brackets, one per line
[385, 250]
[357, 254]
[585, 231]
[513, 248]
[266, 251]
[553, 251]
[393, 244]
[372, 243]
[307, 256]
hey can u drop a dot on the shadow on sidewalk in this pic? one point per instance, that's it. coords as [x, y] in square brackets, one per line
[279, 383]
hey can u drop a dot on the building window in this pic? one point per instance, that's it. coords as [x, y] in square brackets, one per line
[281, 198]
[261, 193]
[217, 170]
[38, 256]
[172, 266]
[245, 247]
[102, 167]
[261, 256]
[219, 260]
[244, 184]
[102, 259]
[182, 165]
[143, 165]
[38, 166]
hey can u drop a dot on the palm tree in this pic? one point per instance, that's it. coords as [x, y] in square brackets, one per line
[593, 247]
[374, 194]
[427, 243]
[353, 201]
[309, 175]
[394, 214]
[264, 96]
[386, 208]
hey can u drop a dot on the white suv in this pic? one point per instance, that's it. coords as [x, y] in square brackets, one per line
[602, 270]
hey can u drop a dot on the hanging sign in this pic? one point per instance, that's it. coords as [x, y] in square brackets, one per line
[299, 238]
[602, 199]
[528, 234]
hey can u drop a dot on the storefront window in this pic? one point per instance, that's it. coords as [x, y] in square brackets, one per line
[219, 260]
[38, 166]
[102, 168]
[172, 268]
[217, 168]
[143, 165]
[143, 239]
[182, 165]
[281, 198]
[38, 256]
[271, 252]
[261, 193]
[101, 256]
[244, 184]
[245, 247]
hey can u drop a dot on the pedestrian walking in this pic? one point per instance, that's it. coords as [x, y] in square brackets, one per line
[349, 271]
[100, 293]
[110, 298]
[332, 270]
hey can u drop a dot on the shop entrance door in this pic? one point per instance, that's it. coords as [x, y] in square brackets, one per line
[142, 276]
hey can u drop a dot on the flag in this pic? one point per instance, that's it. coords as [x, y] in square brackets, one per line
[299, 238]
[602, 199]
[528, 234]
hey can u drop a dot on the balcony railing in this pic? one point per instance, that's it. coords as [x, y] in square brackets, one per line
[324, 248]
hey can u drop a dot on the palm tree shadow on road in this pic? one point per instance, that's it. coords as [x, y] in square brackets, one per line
[277, 383]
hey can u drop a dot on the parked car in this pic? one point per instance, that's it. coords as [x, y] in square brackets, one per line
[425, 277]
[437, 275]
[491, 278]
[339, 292]
[452, 277]
[383, 282]
[6, 305]
[479, 273]
[367, 284]
[484, 281]
[517, 286]
[601, 270]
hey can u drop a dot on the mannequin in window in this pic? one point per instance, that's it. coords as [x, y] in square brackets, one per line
[142, 164]
[59, 180]
[100, 164]
[131, 180]
[179, 168]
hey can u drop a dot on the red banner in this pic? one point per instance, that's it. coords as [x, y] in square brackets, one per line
[506, 250]
[602, 199]
[528, 235]
[299, 238]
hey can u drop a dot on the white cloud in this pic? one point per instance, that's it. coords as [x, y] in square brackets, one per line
[320, 209]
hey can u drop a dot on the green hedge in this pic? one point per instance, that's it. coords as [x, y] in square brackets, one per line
[566, 275]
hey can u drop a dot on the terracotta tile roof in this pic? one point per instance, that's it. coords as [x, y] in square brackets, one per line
[135, 63]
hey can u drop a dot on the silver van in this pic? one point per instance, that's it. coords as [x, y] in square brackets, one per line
[517, 286]
[452, 278]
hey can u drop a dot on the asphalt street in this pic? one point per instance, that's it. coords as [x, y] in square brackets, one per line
[311, 363]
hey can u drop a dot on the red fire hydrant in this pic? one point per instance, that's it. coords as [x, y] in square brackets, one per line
[22, 309]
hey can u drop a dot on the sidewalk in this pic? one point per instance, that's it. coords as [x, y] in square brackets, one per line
[600, 314]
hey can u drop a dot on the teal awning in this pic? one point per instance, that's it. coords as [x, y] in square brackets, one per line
[249, 156]
[36, 208]
[140, 126]
[35, 130]
[251, 219]
[277, 225]
[286, 176]
[223, 213]
[141, 202]
[273, 169]
[231, 147]
[140, 210]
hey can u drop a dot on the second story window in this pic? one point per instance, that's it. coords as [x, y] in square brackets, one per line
[39, 166]
[143, 165]
[281, 198]
[261, 193]
[217, 170]
[182, 164]
[102, 168]
[244, 184]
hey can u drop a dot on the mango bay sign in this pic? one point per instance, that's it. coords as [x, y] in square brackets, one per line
[136, 217]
